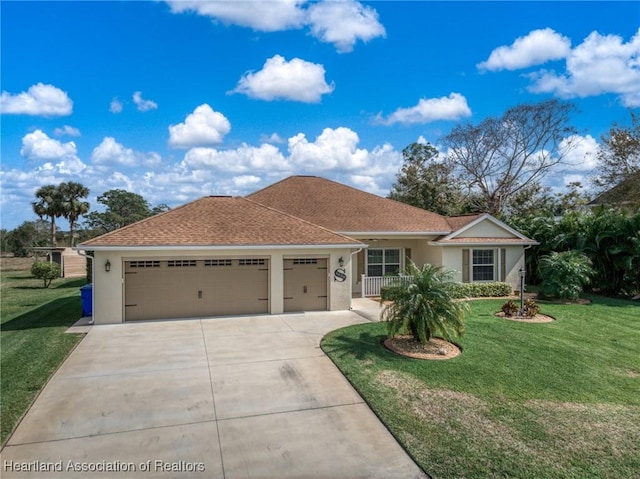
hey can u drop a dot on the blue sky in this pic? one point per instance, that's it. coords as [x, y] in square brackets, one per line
[182, 99]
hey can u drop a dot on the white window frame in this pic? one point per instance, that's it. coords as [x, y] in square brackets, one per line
[495, 264]
[384, 263]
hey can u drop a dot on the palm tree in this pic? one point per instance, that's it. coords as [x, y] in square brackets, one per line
[48, 204]
[73, 207]
[421, 303]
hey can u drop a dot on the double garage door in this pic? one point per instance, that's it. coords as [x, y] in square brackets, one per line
[186, 288]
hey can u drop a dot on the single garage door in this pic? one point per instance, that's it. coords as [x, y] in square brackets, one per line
[305, 284]
[195, 288]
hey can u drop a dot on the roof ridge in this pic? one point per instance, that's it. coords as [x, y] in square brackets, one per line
[351, 188]
[299, 219]
[143, 220]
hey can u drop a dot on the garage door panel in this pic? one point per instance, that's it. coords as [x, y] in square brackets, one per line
[184, 290]
[305, 284]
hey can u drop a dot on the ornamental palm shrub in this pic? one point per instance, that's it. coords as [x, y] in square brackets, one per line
[565, 274]
[421, 303]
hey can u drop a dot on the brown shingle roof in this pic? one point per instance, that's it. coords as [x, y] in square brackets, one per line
[458, 222]
[343, 208]
[221, 221]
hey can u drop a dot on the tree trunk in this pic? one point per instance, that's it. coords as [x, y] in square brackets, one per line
[53, 231]
[72, 231]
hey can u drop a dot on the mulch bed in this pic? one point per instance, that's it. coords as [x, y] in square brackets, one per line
[538, 318]
[436, 348]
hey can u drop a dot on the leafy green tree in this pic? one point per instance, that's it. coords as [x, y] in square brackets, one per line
[422, 303]
[610, 238]
[45, 271]
[573, 199]
[501, 156]
[426, 182]
[619, 155]
[3, 239]
[565, 274]
[533, 199]
[28, 235]
[122, 208]
[49, 204]
[73, 206]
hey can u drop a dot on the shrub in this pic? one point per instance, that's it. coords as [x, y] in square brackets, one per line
[45, 271]
[509, 308]
[564, 275]
[479, 290]
[422, 304]
[531, 308]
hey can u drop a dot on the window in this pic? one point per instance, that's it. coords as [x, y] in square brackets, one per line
[305, 261]
[483, 265]
[218, 262]
[251, 262]
[181, 263]
[144, 264]
[381, 262]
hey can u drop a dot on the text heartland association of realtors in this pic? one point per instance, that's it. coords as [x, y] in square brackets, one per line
[103, 466]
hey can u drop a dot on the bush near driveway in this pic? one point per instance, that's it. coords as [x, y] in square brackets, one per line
[33, 342]
[523, 400]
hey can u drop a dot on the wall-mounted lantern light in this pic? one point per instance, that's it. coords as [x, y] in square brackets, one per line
[107, 266]
[341, 262]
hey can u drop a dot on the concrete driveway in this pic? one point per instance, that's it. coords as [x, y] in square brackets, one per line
[242, 397]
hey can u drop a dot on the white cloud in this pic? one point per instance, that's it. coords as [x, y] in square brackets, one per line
[335, 154]
[39, 100]
[39, 147]
[110, 152]
[245, 181]
[600, 64]
[116, 106]
[66, 130]
[243, 159]
[535, 48]
[296, 80]
[580, 152]
[344, 23]
[331, 150]
[271, 16]
[272, 138]
[340, 23]
[142, 104]
[452, 107]
[202, 127]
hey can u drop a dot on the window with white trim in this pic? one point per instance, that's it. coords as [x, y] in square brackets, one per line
[483, 265]
[383, 261]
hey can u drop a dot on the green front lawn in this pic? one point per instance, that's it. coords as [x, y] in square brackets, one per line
[526, 400]
[33, 342]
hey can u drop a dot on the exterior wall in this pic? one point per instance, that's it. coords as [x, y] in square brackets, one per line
[108, 288]
[485, 229]
[452, 259]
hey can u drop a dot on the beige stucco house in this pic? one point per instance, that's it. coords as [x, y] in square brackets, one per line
[305, 243]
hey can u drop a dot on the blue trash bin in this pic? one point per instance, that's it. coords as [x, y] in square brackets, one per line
[86, 293]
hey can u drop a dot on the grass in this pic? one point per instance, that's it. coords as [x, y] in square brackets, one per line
[33, 342]
[523, 400]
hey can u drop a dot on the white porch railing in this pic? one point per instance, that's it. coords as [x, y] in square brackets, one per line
[371, 285]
